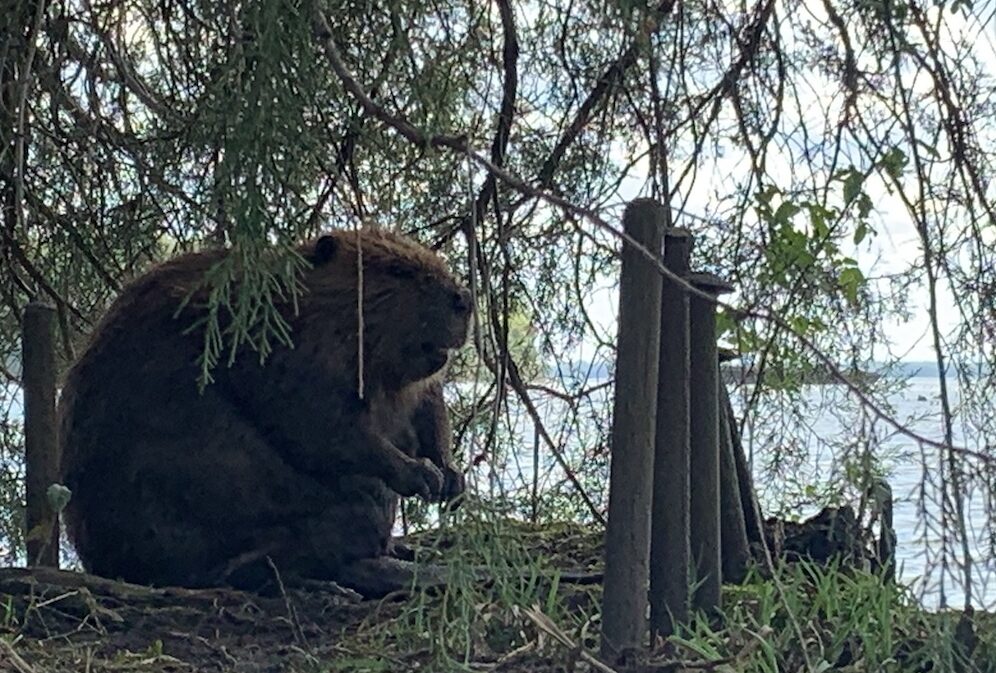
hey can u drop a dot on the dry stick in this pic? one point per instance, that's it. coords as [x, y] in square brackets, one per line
[291, 612]
[18, 662]
[460, 145]
[545, 624]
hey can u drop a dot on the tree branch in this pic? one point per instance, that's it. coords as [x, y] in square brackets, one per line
[459, 144]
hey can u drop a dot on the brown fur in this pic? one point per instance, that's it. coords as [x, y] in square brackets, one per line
[173, 486]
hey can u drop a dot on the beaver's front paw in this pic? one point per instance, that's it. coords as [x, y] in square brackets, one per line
[421, 478]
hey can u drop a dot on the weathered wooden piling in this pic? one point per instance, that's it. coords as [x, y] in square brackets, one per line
[669, 545]
[627, 544]
[886, 533]
[735, 546]
[41, 459]
[753, 520]
[704, 428]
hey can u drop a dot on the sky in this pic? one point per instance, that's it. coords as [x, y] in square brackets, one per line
[896, 243]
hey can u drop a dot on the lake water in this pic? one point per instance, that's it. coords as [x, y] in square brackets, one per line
[816, 438]
[913, 471]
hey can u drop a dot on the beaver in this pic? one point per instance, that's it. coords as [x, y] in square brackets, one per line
[282, 461]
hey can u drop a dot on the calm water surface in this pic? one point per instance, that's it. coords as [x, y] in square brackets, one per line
[815, 438]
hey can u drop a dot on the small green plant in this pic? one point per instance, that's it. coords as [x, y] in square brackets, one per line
[472, 618]
[849, 620]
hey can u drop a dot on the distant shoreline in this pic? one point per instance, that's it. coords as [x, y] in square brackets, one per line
[734, 372]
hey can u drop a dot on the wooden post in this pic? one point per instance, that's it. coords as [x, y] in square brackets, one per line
[886, 532]
[669, 537]
[704, 430]
[734, 503]
[732, 521]
[753, 519]
[627, 543]
[41, 459]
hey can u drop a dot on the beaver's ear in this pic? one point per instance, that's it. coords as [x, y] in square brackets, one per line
[325, 249]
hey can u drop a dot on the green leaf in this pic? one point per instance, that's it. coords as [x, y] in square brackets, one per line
[852, 185]
[786, 212]
[894, 162]
[724, 323]
[799, 324]
[864, 205]
[860, 232]
[851, 280]
[764, 196]
[818, 218]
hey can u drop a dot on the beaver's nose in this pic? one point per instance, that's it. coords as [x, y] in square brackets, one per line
[462, 301]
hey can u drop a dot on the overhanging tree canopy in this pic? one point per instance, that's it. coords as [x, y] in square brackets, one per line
[794, 139]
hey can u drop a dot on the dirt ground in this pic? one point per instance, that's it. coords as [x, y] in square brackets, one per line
[59, 621]
[56, 621]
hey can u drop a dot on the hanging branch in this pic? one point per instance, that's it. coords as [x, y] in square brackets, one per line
[459, 144]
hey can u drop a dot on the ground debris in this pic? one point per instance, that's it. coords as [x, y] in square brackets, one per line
[53, 621]
[66, 621]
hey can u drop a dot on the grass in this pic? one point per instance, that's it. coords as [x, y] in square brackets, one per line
[812, 618]
[474, 622]
[850, 620]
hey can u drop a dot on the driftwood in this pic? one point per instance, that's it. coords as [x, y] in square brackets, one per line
[835, 533]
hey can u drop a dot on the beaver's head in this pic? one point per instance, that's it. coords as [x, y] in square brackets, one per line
[414, 310]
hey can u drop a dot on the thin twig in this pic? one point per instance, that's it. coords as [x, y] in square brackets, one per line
[15, 659]
[460, 145]
[291, 612]
[545, 624]
[22, 108]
